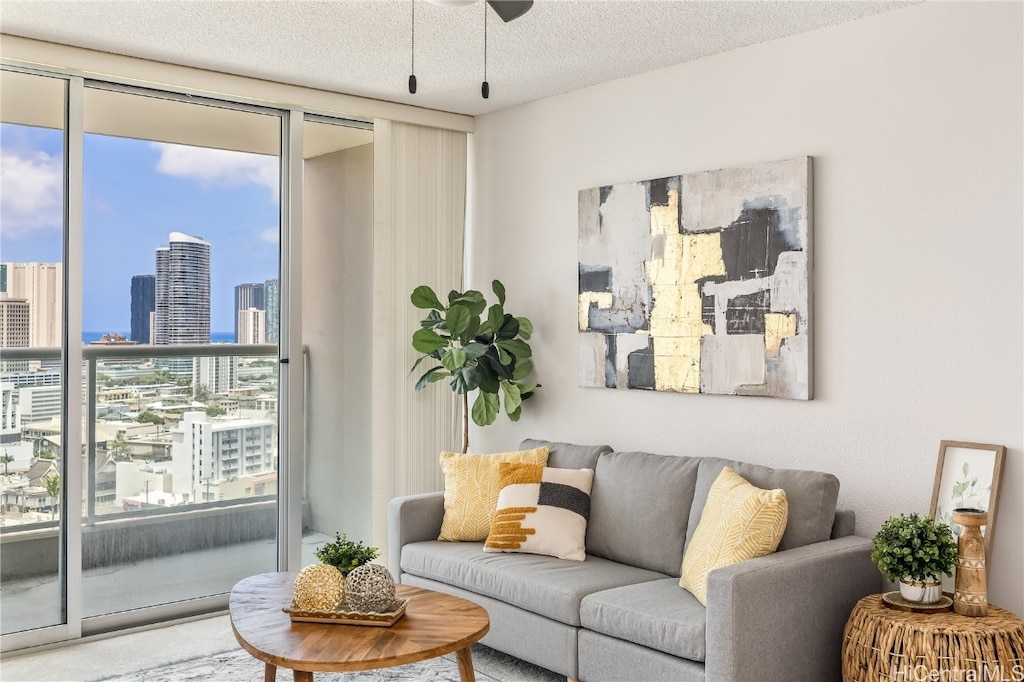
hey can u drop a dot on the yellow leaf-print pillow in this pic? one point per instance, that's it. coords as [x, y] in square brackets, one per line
[471, 490]
[740, 521]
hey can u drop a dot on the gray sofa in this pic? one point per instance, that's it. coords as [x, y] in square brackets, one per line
[621, 615]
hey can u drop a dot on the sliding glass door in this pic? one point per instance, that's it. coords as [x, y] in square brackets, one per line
[32, 257]
[180, 245]
[152, 366]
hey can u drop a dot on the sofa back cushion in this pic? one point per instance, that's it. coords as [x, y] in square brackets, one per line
[639, 506]
[568, 455]
[811, 496]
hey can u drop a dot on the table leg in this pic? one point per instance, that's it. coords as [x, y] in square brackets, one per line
[465, 658]
[303, 676]
[270, 673]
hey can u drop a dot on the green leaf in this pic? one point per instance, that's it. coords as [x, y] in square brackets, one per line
[485, 408]
[424, 297]
[427, 341]
[472, 329]
[503, 356]
[516, 347]
[515, 414]
[509, 328]
[457, 319]
[417, 363]
[512, 396]
[488, 379]
[454, 359]
[475, 349]
[429, 377]
[499, 291]
[432, 320]
[465, 380]
[523, 369]
[526, 390]
[495, 318]
[525, 327]
[472, 299]
[491, 361]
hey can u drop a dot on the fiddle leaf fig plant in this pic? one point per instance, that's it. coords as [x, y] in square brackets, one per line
[480, 352]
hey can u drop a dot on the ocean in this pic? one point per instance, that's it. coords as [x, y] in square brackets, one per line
[215, 337]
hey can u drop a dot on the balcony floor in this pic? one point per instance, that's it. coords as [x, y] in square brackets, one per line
[34, 602]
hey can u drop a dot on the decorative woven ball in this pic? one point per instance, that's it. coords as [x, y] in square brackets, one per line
[370, 588]
[319, 587]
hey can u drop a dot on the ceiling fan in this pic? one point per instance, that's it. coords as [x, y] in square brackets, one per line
[506, 9]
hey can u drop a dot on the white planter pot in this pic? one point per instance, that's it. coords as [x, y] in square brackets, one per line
[921, 592]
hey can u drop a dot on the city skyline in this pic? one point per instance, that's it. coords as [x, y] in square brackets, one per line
[136, 193]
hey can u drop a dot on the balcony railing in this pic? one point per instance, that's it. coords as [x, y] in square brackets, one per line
[115, 537]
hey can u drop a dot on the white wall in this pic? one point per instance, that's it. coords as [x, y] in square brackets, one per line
[913, 118]
[337, 258]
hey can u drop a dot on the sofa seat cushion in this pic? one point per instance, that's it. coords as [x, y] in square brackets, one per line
[545, 585]
[657, 614]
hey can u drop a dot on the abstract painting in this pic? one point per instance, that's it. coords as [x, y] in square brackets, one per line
[699, 283]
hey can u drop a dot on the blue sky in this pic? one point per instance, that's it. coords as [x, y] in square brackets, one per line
[136, 193]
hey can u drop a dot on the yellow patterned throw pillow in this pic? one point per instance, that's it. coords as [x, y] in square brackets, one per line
[542, 510]
[739, 522]
[471, 490]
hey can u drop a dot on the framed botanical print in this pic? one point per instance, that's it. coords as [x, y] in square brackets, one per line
[967, 477]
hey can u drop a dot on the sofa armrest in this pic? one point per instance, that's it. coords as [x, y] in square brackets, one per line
[781, 617]
[413, 518]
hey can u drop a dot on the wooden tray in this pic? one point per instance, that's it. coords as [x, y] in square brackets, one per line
[342, 616]
[894, 601]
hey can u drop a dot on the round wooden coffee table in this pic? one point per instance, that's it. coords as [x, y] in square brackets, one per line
[434, 624]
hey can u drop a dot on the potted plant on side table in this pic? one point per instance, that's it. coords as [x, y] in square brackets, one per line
[915, 551]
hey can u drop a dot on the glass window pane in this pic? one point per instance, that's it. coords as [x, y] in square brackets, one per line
[337, 248]
[180, 249]
[31, 329]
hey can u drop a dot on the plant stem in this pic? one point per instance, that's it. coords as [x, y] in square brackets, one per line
[465, 423]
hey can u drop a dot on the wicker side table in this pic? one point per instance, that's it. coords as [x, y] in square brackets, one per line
[881, 644]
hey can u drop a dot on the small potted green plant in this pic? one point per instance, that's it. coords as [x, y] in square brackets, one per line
[346, 555]
[915, 551]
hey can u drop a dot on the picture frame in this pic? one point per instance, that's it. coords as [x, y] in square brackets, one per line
[968, 475]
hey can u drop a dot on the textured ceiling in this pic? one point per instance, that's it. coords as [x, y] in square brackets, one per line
[362, 47]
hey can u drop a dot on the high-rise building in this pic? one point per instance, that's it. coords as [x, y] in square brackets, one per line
[14, 330]
[247, 296]
[182, 293]
[214, 375]
[143, 303]
[42, 285]
[272, 291]
[251, 325]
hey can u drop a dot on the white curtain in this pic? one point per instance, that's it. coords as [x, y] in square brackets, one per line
[419, 234]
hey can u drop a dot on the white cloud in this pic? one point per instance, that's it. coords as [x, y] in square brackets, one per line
[32, 186]
[218, 166]
[270, 235]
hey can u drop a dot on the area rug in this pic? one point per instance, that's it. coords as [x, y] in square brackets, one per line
[239, 666]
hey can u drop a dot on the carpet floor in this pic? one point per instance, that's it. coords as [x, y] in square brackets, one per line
[239, 666]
